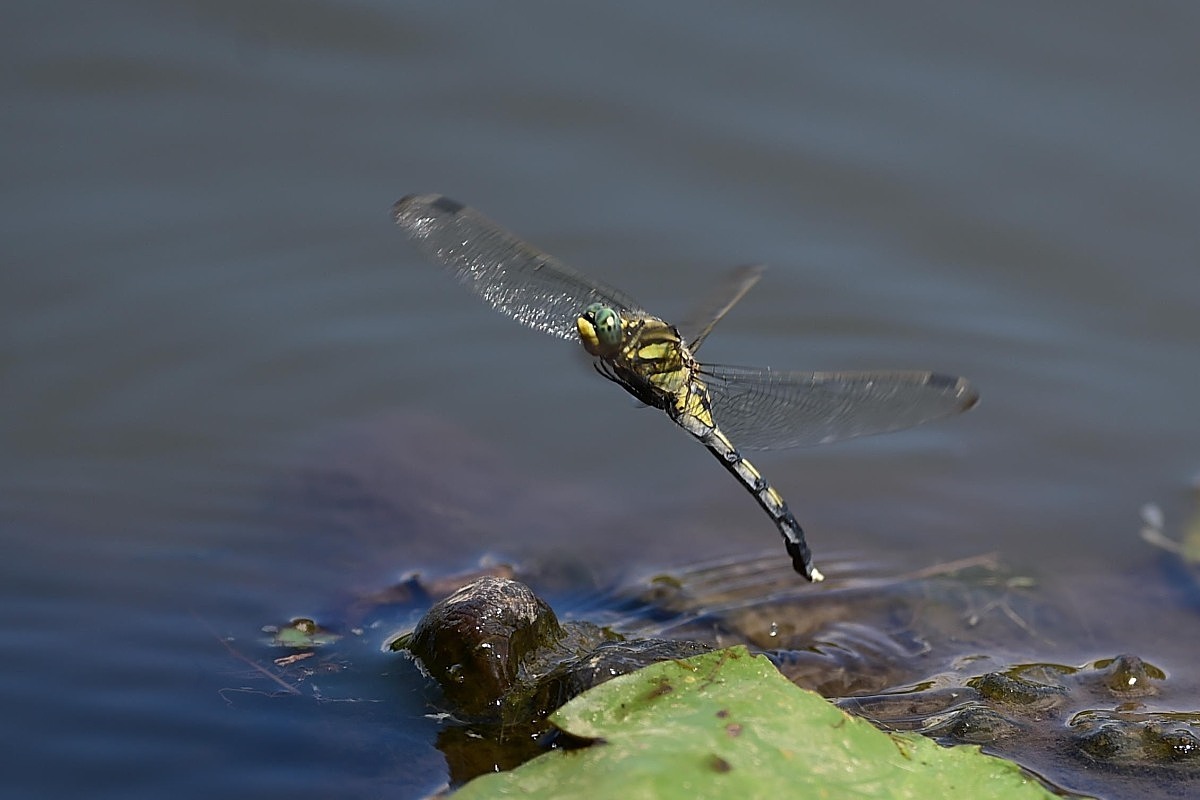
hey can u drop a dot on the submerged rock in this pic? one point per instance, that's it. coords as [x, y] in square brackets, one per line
[477, 642]
[499, 653]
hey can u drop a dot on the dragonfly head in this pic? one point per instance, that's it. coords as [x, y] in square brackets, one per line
[600, 330]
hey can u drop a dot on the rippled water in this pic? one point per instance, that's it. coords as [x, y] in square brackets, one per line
[204, 306]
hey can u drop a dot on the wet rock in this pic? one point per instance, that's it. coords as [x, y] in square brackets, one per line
[972, 724]
[474, 642]
[1139, 740]
[498, 651]
[1129, 676]
[504, 663]
[1014, 688]
[609, 660]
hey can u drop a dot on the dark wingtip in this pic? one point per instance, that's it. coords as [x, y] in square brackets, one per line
[446, 205]
[968, 395]
[405, 206]
[970, 398]
[955, 386]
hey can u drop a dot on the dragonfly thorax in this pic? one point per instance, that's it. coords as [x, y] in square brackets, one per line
[600, 330]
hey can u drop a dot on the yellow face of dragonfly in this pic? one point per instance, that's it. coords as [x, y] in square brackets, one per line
[600, 330]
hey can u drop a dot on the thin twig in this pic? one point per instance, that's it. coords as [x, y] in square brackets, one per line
[287, 687]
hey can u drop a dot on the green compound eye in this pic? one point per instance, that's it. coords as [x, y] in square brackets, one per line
[608, 324]
[599, 329]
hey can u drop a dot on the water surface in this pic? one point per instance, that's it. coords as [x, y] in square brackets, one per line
[203, 296]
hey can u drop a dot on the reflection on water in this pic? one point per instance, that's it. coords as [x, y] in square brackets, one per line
[204, 298]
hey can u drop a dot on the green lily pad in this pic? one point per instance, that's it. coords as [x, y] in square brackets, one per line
[727, 724]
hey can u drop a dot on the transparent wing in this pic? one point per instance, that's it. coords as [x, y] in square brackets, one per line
[514, 277]
[705, 315]
[760, 409]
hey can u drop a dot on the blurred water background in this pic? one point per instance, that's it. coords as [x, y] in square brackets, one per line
[203, 297]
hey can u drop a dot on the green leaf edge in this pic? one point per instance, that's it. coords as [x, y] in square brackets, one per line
[728, 724]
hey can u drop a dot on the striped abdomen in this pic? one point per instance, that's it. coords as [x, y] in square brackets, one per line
[770, 500]
[693, 412]
[654, 365]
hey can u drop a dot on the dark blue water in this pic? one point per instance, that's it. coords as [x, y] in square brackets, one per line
[205, 314]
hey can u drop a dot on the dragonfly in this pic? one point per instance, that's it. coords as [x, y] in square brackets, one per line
[761, 408]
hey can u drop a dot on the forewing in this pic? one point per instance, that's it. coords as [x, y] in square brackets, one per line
[762, 409]
[513, 276]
